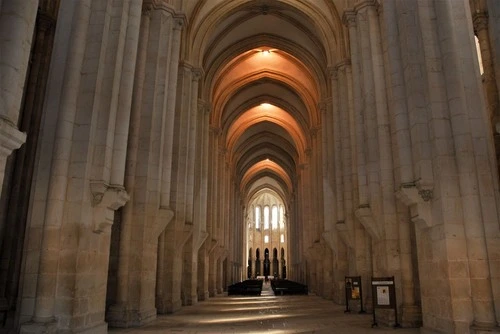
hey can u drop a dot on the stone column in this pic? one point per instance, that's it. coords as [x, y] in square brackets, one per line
[350, 21]
[132, 152]
[18, 17]
[362, 265]
[142, 222]
[346, 147]
[49, 256]
[337, 148]
[124, 88]
[169, 121]
[411, 314]
[327, 159]
[453, 24]
[203, 262]
[195, 144]
[14, 218]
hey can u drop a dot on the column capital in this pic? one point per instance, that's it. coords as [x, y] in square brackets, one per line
[179, 22]
[147, 8]
[222, 150]
[480, 21]
[366, 4]
[10, 137]
[215, 130]
[203, 107]
[197, 73]
[343, 64]
[333, 72]
[314, 131]
[349, 18]
[322, 106]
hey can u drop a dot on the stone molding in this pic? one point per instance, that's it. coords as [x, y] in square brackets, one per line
[343, 65]
[343, 230]
[212, 245]
[179, 17]
[328, 238]
[349, 18]
[480, 21]
[10, 137]
[365, 216]
[163, 217]
[203, 235]
[184, 236]
[204, 107]
[418, 199]
[106, 199]
[333, 72]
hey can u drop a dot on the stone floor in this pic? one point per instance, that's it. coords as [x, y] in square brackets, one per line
[264, 314]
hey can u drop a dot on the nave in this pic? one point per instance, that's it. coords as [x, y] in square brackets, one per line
[265, 314]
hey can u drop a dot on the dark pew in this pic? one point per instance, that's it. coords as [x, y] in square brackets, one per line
[286, 287]
[248, 287]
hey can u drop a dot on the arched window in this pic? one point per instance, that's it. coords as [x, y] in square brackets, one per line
[257, 217]
[266, 217]
[266, 239]
[479, 57]
[274, 217]
[282, 217]
[282, 238]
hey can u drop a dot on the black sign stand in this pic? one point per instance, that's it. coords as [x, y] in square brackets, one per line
[384, 296]
[353, 291]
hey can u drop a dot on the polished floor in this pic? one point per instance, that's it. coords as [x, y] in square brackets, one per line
[264, 314]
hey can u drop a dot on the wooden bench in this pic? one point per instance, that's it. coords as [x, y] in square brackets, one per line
[248, 287]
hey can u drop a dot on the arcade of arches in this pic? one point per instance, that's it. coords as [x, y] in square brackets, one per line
[155, 151]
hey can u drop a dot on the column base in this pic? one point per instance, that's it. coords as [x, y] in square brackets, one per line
[121, 317]
[51, 328]
[411, 316]
[190, 300]
[99, 329]
[203, 296]
[38, 327]
[169, 307]
[478, 329]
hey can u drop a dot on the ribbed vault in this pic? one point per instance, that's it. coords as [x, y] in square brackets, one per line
[265, 64]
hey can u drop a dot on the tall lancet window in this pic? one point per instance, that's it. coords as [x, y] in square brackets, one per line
[266, 217]
[274, 217]
[282, 217]
[257, 217]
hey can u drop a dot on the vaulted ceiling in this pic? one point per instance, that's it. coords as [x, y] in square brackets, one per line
[266, 71]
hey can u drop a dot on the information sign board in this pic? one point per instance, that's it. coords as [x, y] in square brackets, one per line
[384, 296]
[353, 291]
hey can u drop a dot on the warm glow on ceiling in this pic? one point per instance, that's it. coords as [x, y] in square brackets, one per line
[266, 105]
[272, 114]
[268, 165]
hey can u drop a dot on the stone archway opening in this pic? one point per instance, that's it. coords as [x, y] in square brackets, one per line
[266, 229]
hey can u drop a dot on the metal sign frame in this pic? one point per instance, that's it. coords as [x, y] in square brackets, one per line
[384, 296]
[353, 291]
